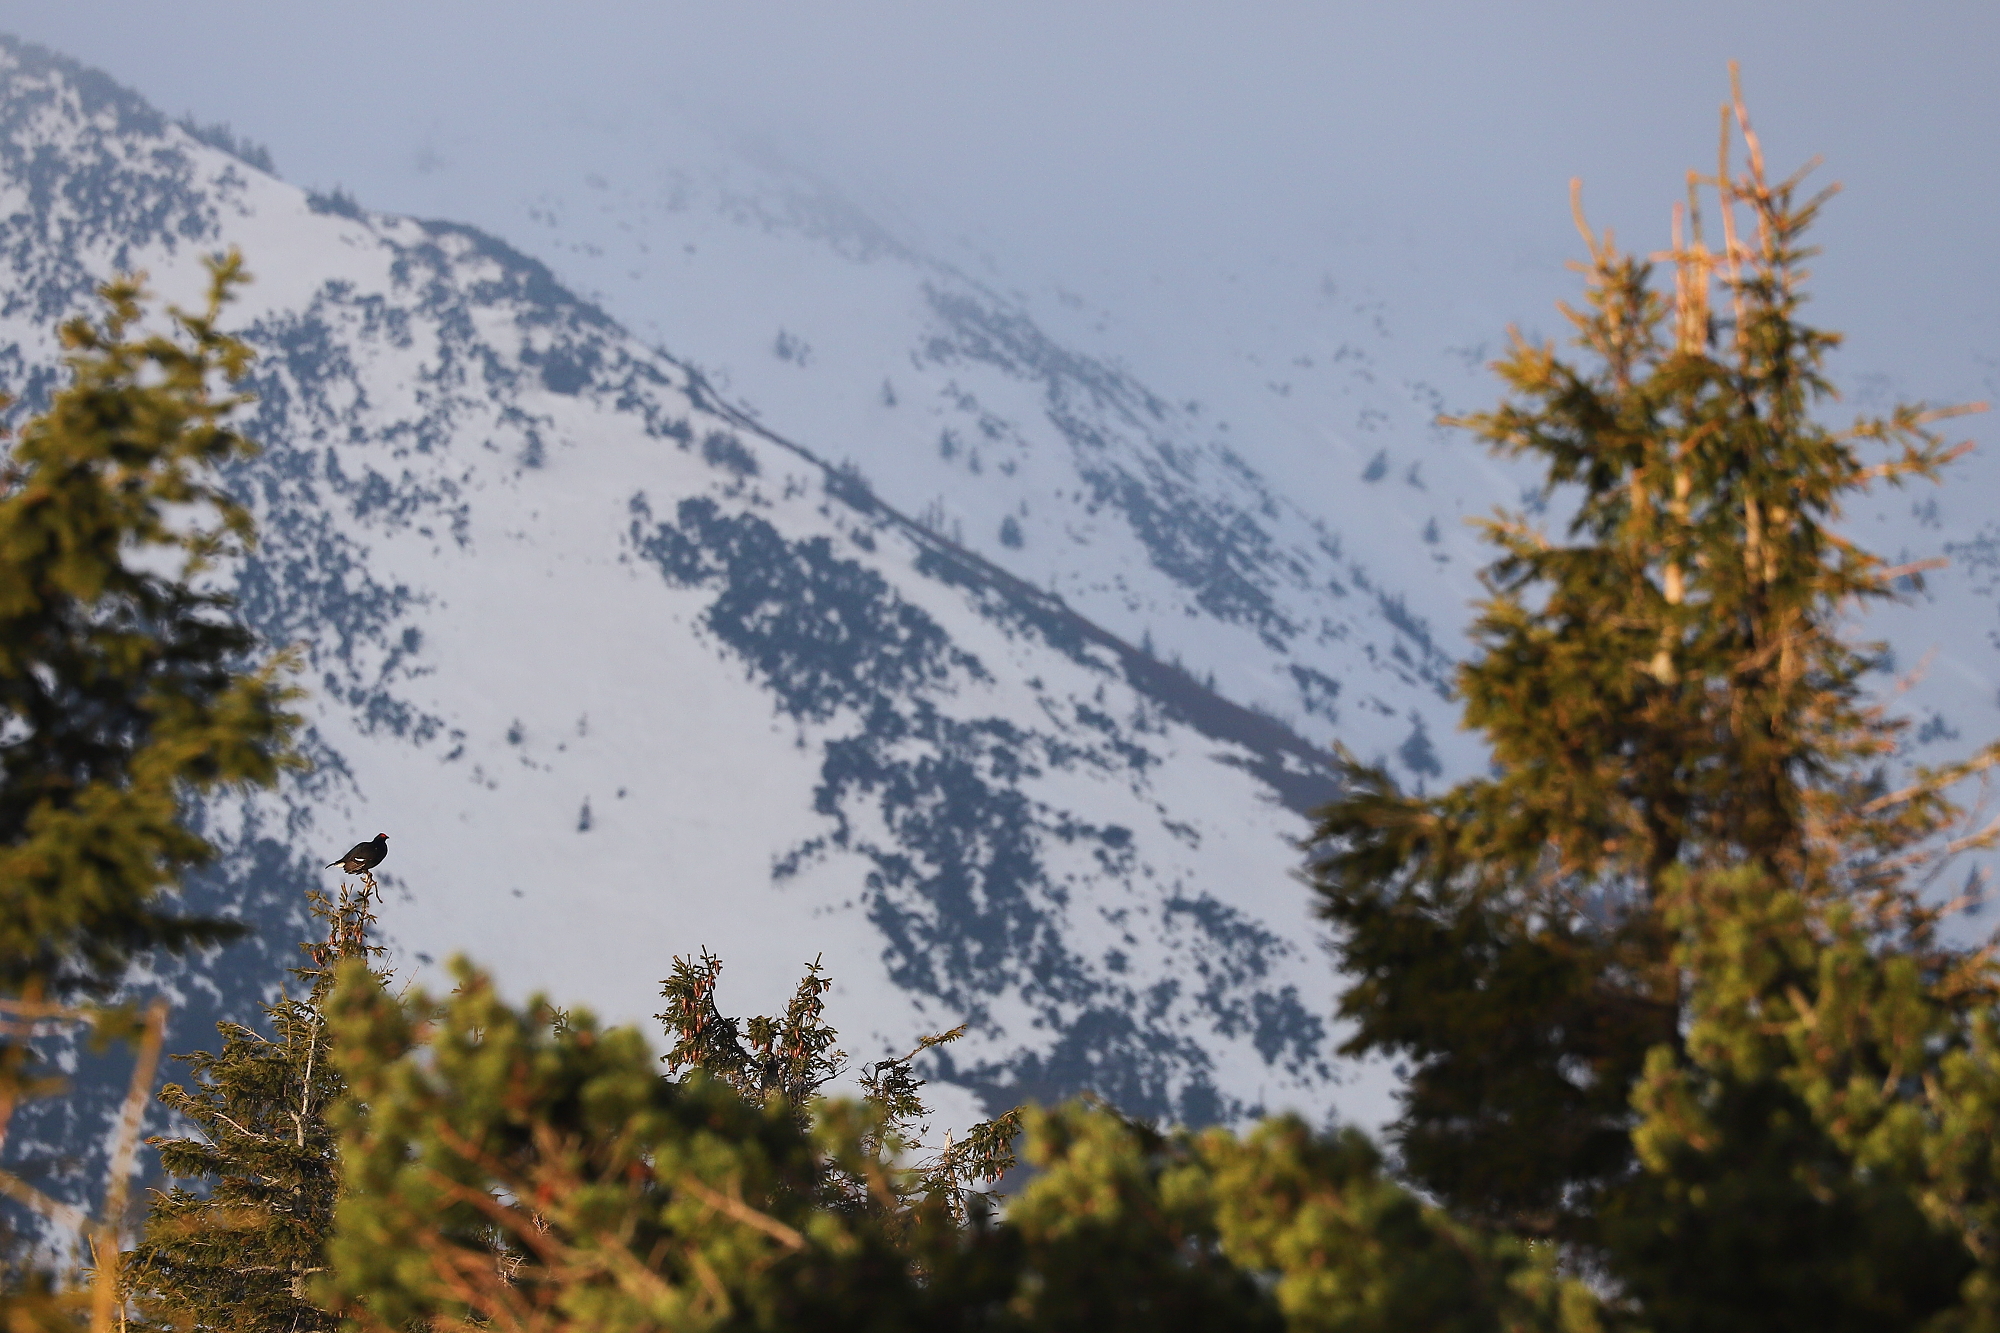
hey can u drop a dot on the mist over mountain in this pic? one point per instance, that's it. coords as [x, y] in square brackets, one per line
[1322, 371]
[697, 562]
[625, 673]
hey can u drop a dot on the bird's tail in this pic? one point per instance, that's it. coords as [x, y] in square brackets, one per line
[331, 864]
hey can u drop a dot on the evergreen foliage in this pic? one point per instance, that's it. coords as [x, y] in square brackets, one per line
[125, 685]
[522, 1169]
[788, 1059]
[126, 688]
[791, 1058]
[1667, 982]
[517, 1169]
[238, 1254]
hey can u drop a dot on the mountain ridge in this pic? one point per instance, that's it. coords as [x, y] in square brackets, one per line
[552, 593]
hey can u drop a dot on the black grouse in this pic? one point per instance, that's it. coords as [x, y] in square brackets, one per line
[363, 855]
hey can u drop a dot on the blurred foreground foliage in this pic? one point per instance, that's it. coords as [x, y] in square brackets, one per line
[521, 1169]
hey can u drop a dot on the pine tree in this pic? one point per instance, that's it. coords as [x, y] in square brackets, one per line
[1639, 972]
[126, 688]
[123, 680]
[790, 1059]
[239, 1254]
[513, 1170]
[523, 1169]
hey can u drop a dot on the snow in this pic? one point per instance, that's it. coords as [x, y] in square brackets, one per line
[466, 480]
[493, 647]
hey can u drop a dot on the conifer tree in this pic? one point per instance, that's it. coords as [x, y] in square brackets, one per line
[790, 1059]
[125, 683]
[240, 1253]
[1667, 982]
[514, 1170]
[519, 1170]
[126, 688]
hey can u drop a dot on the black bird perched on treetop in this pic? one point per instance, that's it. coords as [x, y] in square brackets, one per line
[363, 855]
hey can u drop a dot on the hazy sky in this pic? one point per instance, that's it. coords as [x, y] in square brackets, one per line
[1098, 144]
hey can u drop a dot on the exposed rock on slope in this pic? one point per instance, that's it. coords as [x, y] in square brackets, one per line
[625, 674]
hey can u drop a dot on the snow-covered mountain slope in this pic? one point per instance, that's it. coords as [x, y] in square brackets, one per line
[1141, 508]
[843, 626]
[624, 674]
[1307, 382]
[1403, 350]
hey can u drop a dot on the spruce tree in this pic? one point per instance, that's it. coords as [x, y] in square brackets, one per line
[125, 683]
[127, 688]
[1640, 972]
[513, 1170]
[786, 1064]
[789, 1058]
[239, 1252]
